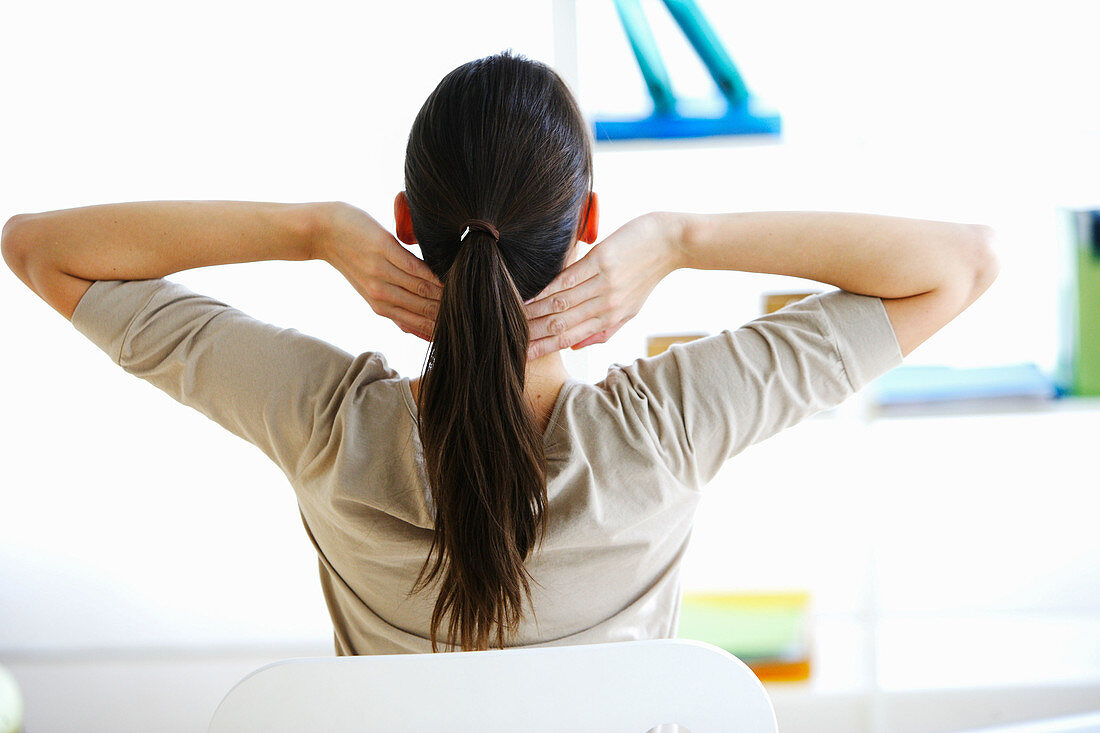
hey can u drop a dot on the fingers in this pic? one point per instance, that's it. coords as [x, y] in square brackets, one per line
[557, 342]
[568, 311]
[409, 322]
[424, 310]
[408, 299]
[413, 274]
[593, 311]
[410, 263]
[596, 338]
[407, 291]
[576, 327]
[602, 337]
[572, 278]
[408, 270]
[558, 312]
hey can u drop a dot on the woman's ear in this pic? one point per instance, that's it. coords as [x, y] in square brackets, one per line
[403, 219]
[593, 225]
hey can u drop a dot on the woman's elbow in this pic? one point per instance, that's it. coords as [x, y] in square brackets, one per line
[12, 243]
[986, 260]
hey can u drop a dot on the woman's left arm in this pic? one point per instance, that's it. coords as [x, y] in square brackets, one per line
[58, 254]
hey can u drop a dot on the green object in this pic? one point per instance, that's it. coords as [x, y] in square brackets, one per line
[11, 703]
[749, 626]
[1079, 342]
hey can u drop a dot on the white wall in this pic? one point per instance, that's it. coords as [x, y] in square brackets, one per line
[129, 523]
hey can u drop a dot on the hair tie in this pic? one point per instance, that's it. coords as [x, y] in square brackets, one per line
[479, 224]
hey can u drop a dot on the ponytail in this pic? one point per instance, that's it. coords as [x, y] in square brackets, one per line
[482, 449]
[500, 137]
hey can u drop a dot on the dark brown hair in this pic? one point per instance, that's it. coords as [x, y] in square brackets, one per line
[502, 139]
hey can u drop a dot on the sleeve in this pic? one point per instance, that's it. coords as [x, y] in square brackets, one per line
[277, 388]
[705, 401]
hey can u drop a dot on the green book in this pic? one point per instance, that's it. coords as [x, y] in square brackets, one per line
[1079, 308]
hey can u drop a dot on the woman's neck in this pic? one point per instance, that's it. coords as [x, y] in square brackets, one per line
[545, 378]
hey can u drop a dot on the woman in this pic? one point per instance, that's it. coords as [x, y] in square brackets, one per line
[496, 497]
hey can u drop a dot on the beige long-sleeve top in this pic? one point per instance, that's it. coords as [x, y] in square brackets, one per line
[628, 456]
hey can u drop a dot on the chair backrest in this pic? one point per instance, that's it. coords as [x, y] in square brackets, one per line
[616, 687]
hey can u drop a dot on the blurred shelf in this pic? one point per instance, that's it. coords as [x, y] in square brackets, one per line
[999, 405]
[862, 407]
[917, 652]
[943, 672]
[926, 711]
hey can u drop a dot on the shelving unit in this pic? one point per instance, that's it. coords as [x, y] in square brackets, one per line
[873, 662]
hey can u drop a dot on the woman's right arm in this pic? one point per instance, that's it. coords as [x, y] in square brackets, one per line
[868, 254]
[926, 272]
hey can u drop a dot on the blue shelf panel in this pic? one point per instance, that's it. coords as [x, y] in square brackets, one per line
[684, 122]
[920, 383]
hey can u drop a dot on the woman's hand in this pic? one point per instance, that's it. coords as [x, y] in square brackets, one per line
[592, 298]
[396, 283]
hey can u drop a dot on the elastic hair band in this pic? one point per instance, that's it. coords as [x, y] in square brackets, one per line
[479, 224]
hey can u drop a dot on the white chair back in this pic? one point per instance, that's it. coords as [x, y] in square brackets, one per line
[616, 687]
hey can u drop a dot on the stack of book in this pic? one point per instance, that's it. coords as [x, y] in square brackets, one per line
[767, 631]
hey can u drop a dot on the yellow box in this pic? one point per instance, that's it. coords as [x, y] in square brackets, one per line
[658, 343]
[774, 301]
